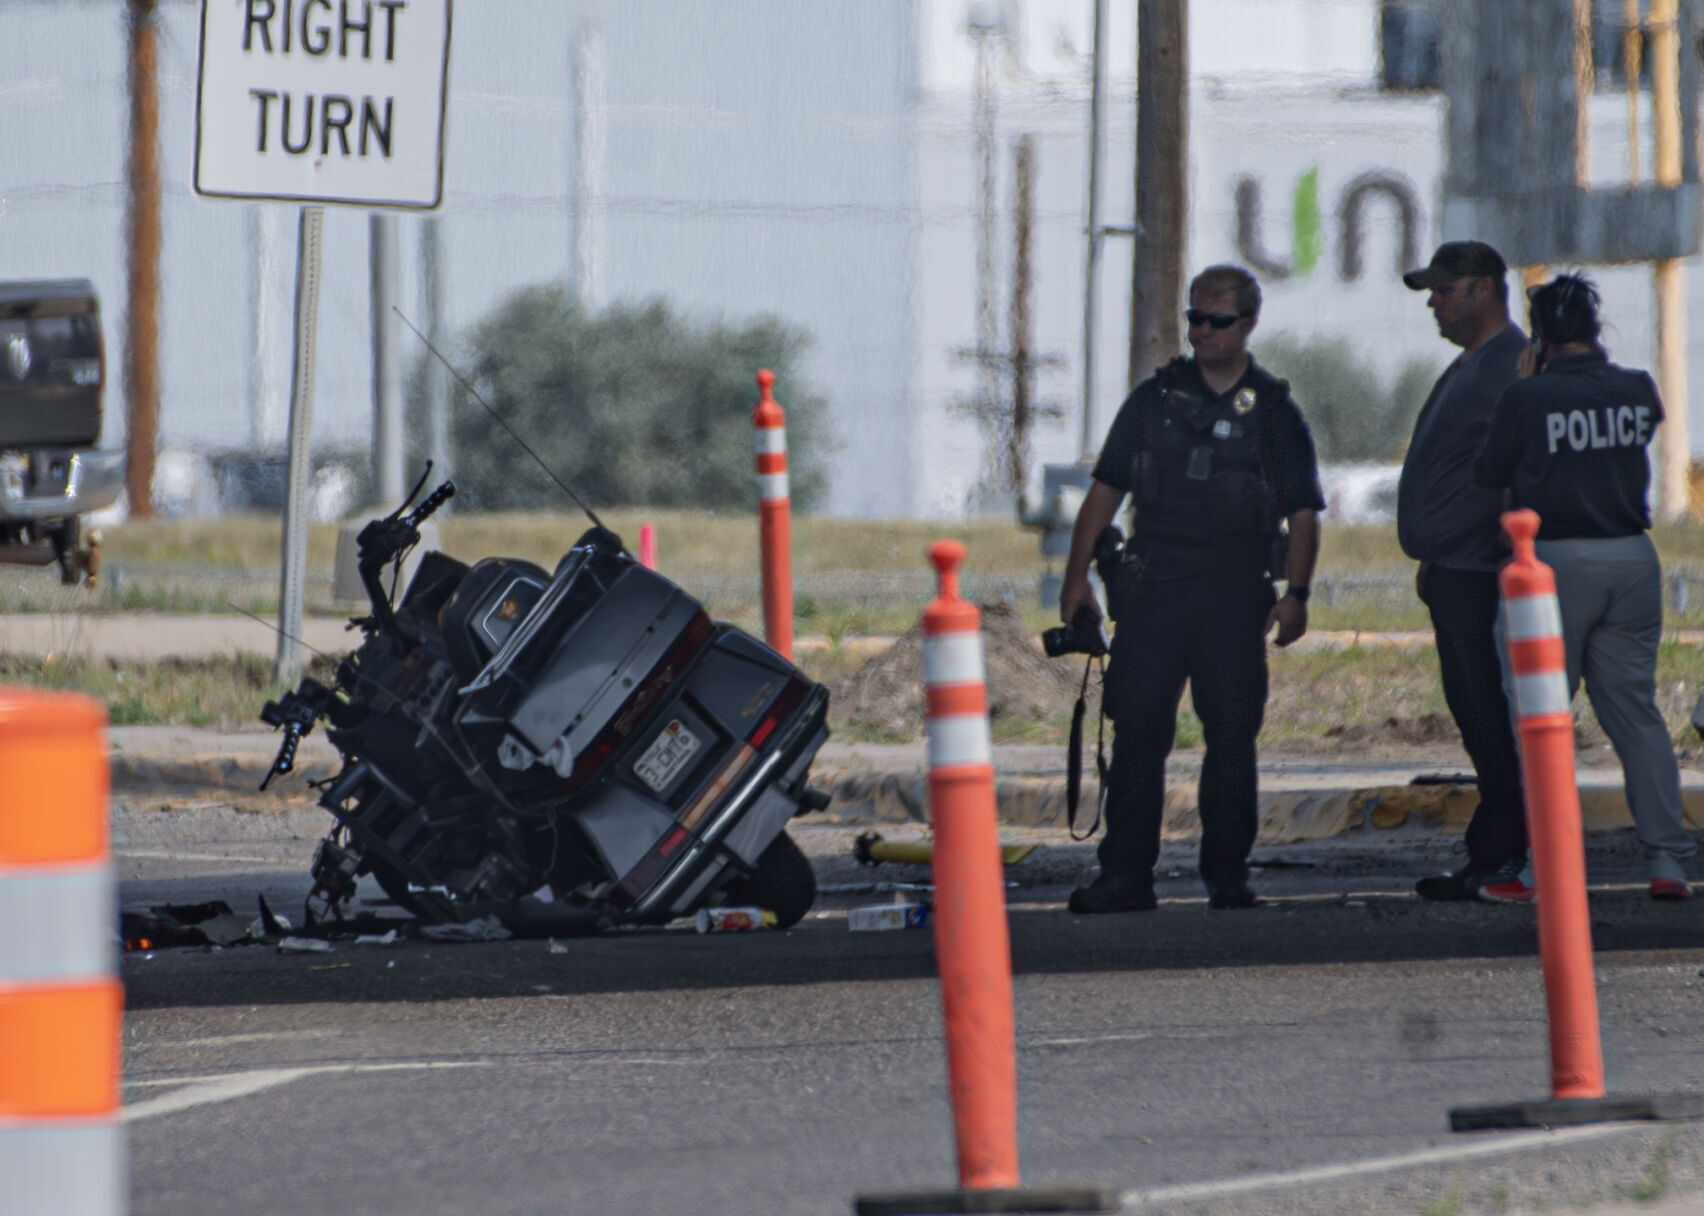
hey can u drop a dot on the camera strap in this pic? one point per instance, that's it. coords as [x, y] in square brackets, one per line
[1074, 756]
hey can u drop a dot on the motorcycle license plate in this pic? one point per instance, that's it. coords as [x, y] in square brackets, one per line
[667, 755]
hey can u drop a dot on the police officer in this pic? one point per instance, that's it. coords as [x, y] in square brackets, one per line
[1569, 440]
[1215, 455]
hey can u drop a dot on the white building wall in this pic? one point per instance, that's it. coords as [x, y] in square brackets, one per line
[814, 161]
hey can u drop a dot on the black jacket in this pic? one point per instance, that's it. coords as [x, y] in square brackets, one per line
[1571, 444]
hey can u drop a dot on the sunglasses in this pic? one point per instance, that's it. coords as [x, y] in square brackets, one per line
[1218, 320]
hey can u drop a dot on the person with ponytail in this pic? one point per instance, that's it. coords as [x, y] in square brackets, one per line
[1569, 440]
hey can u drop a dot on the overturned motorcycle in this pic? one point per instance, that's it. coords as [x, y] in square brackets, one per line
[563, 750]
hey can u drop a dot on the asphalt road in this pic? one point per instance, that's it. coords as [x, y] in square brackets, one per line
[1298, 1057]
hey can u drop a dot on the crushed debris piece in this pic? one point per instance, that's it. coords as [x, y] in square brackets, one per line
[479, 929]
[303, 945]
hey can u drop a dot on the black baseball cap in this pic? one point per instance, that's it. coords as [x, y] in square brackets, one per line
[1457, 260]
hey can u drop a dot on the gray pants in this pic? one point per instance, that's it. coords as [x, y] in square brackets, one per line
[1611, 595]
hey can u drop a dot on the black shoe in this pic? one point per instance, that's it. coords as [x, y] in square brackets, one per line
[1113, 895]
[1498, 882]
[1235, 894]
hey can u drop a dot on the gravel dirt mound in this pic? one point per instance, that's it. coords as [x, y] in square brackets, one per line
[884, 697]
[1427, 728]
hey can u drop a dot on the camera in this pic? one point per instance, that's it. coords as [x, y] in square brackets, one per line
[1084, 635]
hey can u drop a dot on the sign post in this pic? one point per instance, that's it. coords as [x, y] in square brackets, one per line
[314, 102]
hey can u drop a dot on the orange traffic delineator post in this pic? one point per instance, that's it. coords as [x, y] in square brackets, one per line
[775, 517]
[1538, 663]
[972, 947]
[647, 546]
[61, 1005]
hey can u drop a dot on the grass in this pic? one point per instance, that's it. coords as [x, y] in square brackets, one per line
[855, 579]
[223, 692]
[1655, 1184]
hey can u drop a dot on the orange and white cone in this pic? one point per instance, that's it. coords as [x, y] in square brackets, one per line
[1538, 663]
[972, 945]
[775, 517]
[61, 1005]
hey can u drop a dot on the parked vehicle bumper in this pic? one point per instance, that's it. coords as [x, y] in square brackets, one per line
[94, 482]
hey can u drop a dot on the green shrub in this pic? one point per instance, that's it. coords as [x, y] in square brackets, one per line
[635, 405]
[1355, 412]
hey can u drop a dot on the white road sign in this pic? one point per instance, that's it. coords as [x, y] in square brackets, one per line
[332, 101]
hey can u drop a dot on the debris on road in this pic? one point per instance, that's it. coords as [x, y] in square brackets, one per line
[303, 945]
[168, 925]
[878, 917]
[872, 849]
[479, 929]
[733, 920]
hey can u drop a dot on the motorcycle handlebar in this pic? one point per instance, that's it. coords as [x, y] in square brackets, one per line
[431, 503]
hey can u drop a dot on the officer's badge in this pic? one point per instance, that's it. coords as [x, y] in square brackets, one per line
[1244, 400]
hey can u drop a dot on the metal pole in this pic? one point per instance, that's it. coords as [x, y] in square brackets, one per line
[1023, 365]
[287, 668]
[383, 262]
[987, 332]
[1674, 443]
[1091, 274]
[437, 376]
[142, 239]
[1162, 184]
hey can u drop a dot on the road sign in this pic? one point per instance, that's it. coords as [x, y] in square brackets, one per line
[328, 101]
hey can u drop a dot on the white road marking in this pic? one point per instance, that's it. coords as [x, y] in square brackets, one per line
[202, 1091]
[221, 1040]
[1136, 1201]
[168, 855]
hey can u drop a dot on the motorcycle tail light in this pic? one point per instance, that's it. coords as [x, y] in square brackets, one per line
[784, 704]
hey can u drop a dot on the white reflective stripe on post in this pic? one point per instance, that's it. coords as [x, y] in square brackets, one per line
[1544, 692]
[62, 1168]
[771, 486]
[956, 739]
[953, 658]
[771, 441]
[57, 922]
[1532, 616]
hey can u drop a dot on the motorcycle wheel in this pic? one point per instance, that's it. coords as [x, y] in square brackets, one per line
[783, 882]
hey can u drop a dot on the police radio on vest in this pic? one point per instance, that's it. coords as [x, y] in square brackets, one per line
[1613, 426]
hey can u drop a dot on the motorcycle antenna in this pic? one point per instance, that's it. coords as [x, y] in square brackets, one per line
[463, 381]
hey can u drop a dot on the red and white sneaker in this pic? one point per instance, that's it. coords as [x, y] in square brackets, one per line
[1673, 890]
[1504, 884]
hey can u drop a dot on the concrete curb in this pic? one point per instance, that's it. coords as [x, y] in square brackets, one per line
[864, 795]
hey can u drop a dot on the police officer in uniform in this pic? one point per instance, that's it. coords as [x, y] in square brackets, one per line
[1569, 440]
[1215, 456]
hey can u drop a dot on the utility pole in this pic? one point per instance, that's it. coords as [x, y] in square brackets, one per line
[1162, 184]
[1088, 438]
[1023, 361]
[1668, 275]
[142, 242]
[984, 26]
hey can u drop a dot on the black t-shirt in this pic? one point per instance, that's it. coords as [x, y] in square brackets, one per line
[1442, 514]
[1571, 442]
[1253, 428]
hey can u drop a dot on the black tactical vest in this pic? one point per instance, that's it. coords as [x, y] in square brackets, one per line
[1200, 474]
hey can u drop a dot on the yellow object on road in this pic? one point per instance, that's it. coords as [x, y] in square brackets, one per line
[871, 850]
